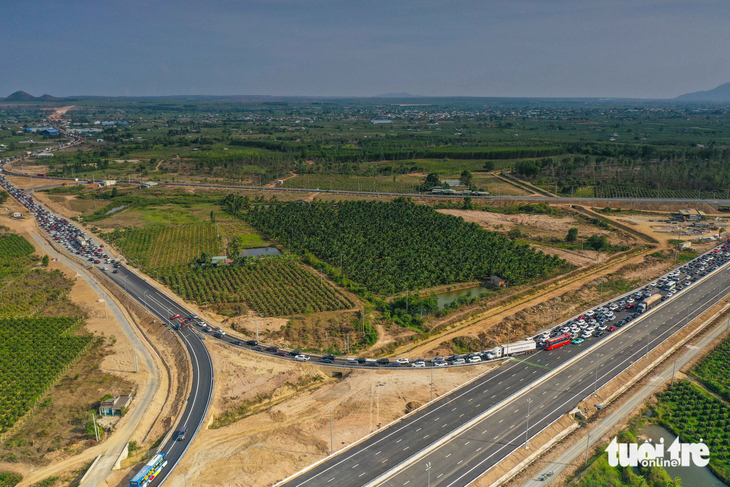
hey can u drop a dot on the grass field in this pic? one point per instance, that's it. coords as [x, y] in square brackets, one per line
[714, 370]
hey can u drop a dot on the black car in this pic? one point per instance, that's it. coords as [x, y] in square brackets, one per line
[383, 361]
[598, 334]
[371, 364]
[272, 349]
[281, 353]
[294, 353]
[330, 357]
[253, 343]
[326, 360]
[393, 364]
[180, 434]
[258, 348]
[361, 360]
[236, 342]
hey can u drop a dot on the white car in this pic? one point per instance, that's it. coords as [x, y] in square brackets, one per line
[474, 359]
[302, 358]
[402, 361]
[439, 363]
[590, 312]
[602, 327]
[419, 363]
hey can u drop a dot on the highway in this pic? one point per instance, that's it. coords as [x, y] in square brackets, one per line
[196, 405]
[469, 431]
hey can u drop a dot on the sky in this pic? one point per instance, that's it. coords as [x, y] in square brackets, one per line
[524, 48]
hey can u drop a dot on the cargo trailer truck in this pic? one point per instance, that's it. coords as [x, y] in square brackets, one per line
[527, 346]
[649, 303]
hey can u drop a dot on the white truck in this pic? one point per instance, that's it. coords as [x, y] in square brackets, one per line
[526, 346]
[81, 241]
[649, 303]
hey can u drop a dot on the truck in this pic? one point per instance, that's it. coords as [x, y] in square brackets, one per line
[669, 285]
[526, 346]
[649, 302]
[81, 241]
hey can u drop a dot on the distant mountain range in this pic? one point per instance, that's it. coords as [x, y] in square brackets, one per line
[719, 94]
[23, 96]
[402, 94]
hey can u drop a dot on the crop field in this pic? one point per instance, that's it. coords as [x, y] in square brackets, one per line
[697, 416]
[641, 192]
[169, 245]
[13, 246]
[714, 370]
[399, 246]
[381, 184]
[34, 352]
[273, 286]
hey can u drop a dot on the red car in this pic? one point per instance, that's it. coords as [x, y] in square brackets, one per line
[611, 328]
[630, 305]
[174, 317]
[97, 262]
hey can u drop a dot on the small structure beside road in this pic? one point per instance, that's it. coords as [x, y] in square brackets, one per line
[115, 406]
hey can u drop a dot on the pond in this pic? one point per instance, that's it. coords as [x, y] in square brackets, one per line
[692, 476]
[261, 251]
[451, 296]
[116, 209]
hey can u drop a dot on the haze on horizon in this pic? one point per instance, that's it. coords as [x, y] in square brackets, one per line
[526, 48]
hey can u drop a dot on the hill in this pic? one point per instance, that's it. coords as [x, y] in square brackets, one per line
[23, 96]
[720, 94]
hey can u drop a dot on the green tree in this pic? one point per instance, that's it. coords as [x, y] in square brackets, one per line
[489, 166]
[597, 242]
[115, 192]
[466, 178]
[572, 235]
[468, 205]
[45, 260]
[212, 216]
[431, 181]
[514, 233]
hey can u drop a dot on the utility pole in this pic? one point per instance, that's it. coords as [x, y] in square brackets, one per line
[96, 433]
[588, 440]
[332, 434]
[527, 426]
[432, 381]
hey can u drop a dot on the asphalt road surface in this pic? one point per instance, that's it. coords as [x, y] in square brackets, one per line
[202, 381]
[463, 458]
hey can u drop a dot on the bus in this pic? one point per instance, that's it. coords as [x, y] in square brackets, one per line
[149, 471]
[669, 285]
[556, 342]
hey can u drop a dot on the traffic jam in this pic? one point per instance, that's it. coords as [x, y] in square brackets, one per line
[591, 325]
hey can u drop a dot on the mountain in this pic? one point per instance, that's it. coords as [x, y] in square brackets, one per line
[23, 96]
[20, 96]
[720, 94]
[396, 95]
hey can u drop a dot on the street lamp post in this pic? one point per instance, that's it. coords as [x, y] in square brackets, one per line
[527, 426]
[428, 469]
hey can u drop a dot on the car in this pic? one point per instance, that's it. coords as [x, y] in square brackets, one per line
[281, 353]
[104, 269]
[611, 329]
[474, 360]
[393, 364]
[329, 357]
[590, 312]
[371, 364]
[419, 364]
[602, 328]
[175, 317]
[458, 361]
[577, 341]
[272, 349]
[383, 361]
[439, 363]
[115, 271]
[403, 361]
[585, 334]
[252, 343]
[302, 358]
[326, 360]
[294, 353]
[236, 342]
[598, 334]
[630, 306]
[258, 348]
[97, 262]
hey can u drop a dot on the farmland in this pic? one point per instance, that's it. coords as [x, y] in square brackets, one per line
[273, 286]
[714, 370]
[694, 415]
[399, 246]
[34, 352]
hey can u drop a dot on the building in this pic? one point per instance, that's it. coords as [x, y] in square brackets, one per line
[115, 406]
[497, 281]
[219, 260]
[691, 214]
[685, 246]
[49, 132]
[108, 182]
[33, 129]
[380, 121]
[45, 154]
[147, 185]
[17, 215]
[100, 140]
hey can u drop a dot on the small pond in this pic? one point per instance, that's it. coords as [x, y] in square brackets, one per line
[691, 476]
[451, 296]
[261, 251]
[114, 210]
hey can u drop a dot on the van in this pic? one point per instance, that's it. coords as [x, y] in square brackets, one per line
[180, 434]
